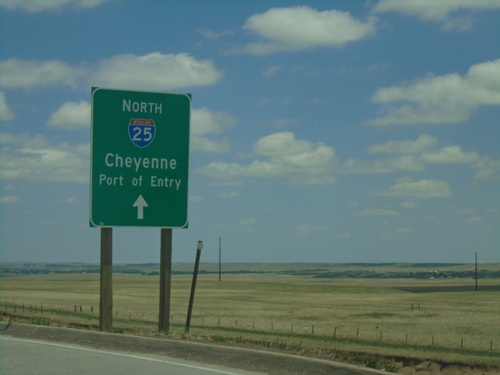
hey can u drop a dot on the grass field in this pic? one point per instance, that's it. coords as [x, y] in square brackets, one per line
[438, 319]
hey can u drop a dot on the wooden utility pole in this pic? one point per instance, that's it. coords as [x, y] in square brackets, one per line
[220, 259]
[165, 279]
[476, 271]
[106, 298]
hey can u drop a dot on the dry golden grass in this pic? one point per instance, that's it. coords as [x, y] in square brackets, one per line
[437, 319]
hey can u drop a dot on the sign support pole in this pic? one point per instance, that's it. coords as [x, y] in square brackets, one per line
[165, 279]
[106, 299]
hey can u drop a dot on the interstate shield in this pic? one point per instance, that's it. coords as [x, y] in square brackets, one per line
[141, 132]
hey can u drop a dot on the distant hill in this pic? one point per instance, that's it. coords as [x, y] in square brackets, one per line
[317, 270]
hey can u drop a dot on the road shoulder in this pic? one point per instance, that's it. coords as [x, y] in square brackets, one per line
[268, 362]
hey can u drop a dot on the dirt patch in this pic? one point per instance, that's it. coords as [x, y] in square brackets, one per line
[434, 368]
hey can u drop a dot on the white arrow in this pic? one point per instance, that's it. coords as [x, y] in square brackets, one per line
[140, 203]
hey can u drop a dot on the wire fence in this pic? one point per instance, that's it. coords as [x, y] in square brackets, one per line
[87, 316]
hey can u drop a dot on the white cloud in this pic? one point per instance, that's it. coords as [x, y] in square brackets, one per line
[473, 220]
[422, 143]
[416, 155]
[422, 189]
[409, 204]
[405, 230]
[377, 212]
[308, 228]
[278, 27]
[280, 144]
[71, 115]
[249, 222]
[26, 74]
[228, 194]
[207, 145]
[403, 163]
[408, 152]
[450, 155]
[10, 199]
[205, 124]
[35, 159]
[25, 140]
[215, 35]
[467, 211]
[204, 121]
[272, 70]
[437, 100]
[195, 198]
[33, 6]
[154, 71]
[6, 113]
[487, 169]
[458, 23]
[438, 11]
[431, 10]
[293, 157]
[300, 161]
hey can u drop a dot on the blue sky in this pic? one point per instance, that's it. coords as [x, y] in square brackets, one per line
[321, 131]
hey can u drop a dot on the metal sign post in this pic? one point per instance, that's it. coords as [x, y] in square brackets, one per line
[199, 246]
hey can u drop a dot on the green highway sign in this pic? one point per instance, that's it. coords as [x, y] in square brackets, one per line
[139, 158]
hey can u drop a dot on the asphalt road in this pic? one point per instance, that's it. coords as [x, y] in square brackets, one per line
[28, 357]
[39, 350]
